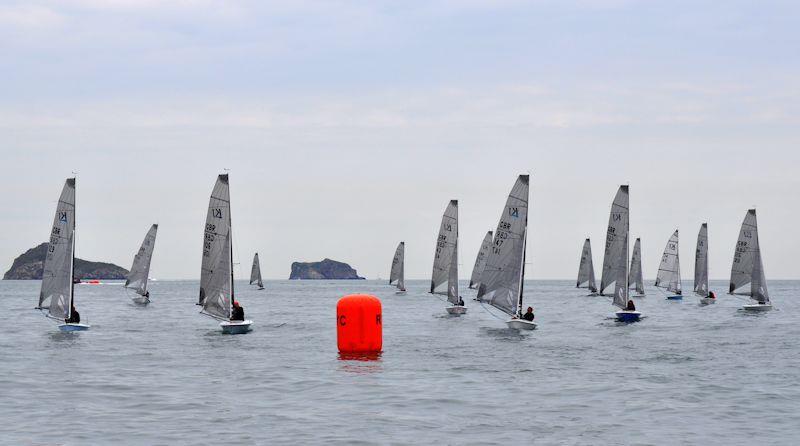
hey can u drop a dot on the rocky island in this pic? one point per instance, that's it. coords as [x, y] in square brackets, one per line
[326, 269]
[29, 266]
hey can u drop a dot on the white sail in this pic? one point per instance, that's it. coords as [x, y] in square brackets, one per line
[445, 262]
[701, 262]
[57, 287]
[140, 270]
[501, 283]
[216, 274]
[255, 272]
[747, 265]
[586, 268]
[669, 271]
[635, 279]
[480, 261]
[397, 273]
[616, 244]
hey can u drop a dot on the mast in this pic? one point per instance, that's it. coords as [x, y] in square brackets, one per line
[72, 260]
[522, 269]
[230, 248]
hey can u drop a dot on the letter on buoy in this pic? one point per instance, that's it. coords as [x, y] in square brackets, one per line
[359, 324]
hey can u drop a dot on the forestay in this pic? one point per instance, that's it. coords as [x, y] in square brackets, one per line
[140, 270]
[586, 268]
[445, 261]
[57, 288]
[480, 261]
[701, 262]
[635, 279]
[216, 277]
[397, 274]
[502, 279]
[616, 242]
[747, 265]
[669, 271]
[255, 273]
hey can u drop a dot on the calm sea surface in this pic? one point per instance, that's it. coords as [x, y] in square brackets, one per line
[165, 375]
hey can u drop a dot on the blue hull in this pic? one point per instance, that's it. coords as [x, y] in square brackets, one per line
[676, 297]
[623, 316]
[70, 327]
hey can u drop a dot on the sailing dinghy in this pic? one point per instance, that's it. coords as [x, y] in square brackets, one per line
[748, 268]
[701, 267]
[586, 269]
[669, 271]
[504, 274]
[635, 280]
[444, 279]
[480, 261]
[397, 273]
[216, 273]
[255, 273]
[615, 260]
[140, 270]
[57, 294]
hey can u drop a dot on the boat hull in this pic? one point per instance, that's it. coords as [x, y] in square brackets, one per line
[757, 307]
[707, 300]
[638, 295]
[400, 292]
[235, 327]
[521, 324]
[628, 316]
[675, 297]
[73, 327]
[141, 300]
[456, 310]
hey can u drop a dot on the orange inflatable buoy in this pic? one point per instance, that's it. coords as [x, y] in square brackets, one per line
[359, 324]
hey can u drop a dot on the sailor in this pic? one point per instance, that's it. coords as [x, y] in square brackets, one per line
[74, 316]
[238, 312]
[528, 316]
[630, 306]
[460, 302]
[712, 295]
[147, 294]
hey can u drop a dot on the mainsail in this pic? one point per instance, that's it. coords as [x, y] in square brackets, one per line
[480, 261]
[57, 286]
[255, 273]
[669, 271]
[502, 278]
[445, 262]
[586, 268]
[701, 262]
[616, 244]
[747, 265]
[635, 279]
[216, 274]
[140, 270]
[398, 266]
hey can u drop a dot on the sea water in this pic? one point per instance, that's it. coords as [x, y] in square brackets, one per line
[163, 374]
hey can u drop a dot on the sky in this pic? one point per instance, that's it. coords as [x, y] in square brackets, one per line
[347, 126]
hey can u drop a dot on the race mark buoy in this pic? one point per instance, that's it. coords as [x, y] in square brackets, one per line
[359, 324]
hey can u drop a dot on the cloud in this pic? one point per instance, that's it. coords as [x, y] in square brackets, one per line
[25, 17]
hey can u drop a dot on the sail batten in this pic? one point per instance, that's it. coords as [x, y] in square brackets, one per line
[615, 258]
[444, 278]
[140, 270]
[397, 273]
[701, 262]
[216, 285]
[255, 272]
[480, 261]
[635, 279]
[669, 270]
[56, 293]
[502, 278]
[748, 267]
[586, 268]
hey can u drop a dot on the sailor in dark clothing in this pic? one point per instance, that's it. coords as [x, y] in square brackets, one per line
[74, 316]
[630, 306]
[460, 302]
[528, 316]
[238, 312]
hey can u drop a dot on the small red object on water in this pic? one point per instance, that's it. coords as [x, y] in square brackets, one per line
[359, 324]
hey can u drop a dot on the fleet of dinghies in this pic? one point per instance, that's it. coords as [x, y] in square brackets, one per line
[498, 273]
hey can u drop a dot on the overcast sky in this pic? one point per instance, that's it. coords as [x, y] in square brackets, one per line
[348, 126]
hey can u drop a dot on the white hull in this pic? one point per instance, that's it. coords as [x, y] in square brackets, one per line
[235, 327]
[140, 300]
[521, 324]
[456, 310]
[757, 307]
[73, 327]
[400, 292]
[707, 300]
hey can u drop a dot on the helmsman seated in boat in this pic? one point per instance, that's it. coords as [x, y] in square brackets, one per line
[630, 306]
[528, 316]
[460, 302]
[74, 316]
[237, 314]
